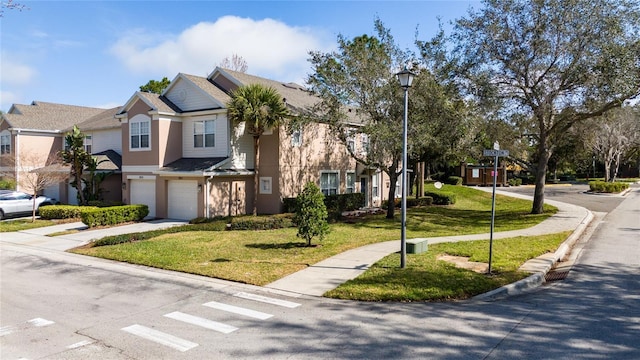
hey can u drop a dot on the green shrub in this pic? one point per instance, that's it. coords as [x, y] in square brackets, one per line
[63, 211]
[442, 197]
[335, 204]
[411, 202]
[103, 203]
[515, 182]
[311, 214]
[607, 187]
[113, 215]
[7, 184]
[454, 180]
[289, 205]
[251, 222]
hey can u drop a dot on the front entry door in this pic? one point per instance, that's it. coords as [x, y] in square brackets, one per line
[364, 190]
[238, 198]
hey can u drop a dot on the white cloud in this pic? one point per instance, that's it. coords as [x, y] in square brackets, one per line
[16, 74]
[271, 48]
[7, 98]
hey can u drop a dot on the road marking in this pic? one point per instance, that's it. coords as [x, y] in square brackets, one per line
[79, 344]
[238, 310]
[205, 323]
[267, 300]
[160, 337]
[40, 322]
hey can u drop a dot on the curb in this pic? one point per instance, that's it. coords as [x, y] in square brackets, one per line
[542, 265]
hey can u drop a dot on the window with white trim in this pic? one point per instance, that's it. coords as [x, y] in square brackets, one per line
[265, 185]
[329, 182]
[350, 182]
[204, 133]
[296, 138]
[375, 184]
[364, 143]
[88, 142]
[139, 132]
[5, 142]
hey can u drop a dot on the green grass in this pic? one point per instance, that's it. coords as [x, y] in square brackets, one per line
[260, 257]
[23, 224]
[427, 279]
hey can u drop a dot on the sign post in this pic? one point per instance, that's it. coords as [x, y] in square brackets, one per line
[495, 153]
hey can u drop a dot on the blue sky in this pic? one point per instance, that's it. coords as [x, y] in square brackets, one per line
[97, 53]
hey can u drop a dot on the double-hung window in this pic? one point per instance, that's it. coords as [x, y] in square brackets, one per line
[375, 185]
[329, 182]
[351, 182]
[139, 134]
[5, 143]
[88, 141]
[204, 134]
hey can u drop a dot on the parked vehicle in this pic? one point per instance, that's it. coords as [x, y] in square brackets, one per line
[14, 203]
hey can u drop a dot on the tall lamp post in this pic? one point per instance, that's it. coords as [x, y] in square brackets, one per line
[406, 78]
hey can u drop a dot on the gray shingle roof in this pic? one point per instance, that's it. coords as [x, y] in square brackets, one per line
[108, 160]
[48, 116]
[161, 103]
[193, 164]
[104, 120]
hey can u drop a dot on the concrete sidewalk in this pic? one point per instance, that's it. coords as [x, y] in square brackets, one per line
[330, 273]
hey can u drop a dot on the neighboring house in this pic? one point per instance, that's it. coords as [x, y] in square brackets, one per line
[183, 158]
[31, 134]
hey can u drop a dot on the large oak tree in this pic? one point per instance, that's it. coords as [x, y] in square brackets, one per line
[554, 62]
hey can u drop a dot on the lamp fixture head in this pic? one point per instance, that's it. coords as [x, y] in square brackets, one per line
[406, 78]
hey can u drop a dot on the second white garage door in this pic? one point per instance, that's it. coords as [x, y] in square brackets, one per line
[183, 199]
[144, 192]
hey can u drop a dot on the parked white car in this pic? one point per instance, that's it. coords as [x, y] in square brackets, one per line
[18, 203]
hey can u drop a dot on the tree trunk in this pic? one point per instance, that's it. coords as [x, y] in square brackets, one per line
[541, 173]
[393, 180]
[256, 178]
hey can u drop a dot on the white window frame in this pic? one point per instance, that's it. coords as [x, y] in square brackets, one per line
[140, 134]
[350, 188]
[364, 144]
[326, 188]
[204, 132]
[88, 143]
[296, 138]
[5, 142]
[375, 185]
[266, 183]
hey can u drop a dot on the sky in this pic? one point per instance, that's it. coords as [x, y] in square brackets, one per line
[98, 53]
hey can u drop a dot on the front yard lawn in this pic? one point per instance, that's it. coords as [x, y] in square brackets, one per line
[261, 257]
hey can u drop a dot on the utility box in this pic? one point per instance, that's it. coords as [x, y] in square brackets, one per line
[416, 246]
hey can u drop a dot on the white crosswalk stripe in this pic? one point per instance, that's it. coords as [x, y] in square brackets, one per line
[79, 344]
[202, 322]
[40, 322]
[238, 310]
[160, 337]
[267, 300]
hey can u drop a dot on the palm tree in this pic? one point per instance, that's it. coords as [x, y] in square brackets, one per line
[261, 108]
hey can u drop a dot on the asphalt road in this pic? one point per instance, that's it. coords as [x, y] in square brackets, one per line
[62, 306]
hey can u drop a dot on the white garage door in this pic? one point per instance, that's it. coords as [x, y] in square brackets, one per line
[144, 192]
[183, 199]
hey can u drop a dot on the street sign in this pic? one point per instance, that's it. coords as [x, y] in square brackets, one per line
[500, 153]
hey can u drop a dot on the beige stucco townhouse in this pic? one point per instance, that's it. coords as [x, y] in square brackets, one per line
[31, 134]
[183, 158]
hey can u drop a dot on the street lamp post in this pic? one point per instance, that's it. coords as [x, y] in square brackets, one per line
[406, 78]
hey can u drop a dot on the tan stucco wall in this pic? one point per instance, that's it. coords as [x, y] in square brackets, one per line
[168, 151]
[139, 157]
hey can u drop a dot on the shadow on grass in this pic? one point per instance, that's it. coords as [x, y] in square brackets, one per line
[285, 246]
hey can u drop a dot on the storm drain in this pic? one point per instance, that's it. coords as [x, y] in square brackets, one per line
[556, 275]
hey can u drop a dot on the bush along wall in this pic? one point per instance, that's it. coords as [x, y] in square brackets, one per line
[336, 204]
[113, 215]
[411, 202]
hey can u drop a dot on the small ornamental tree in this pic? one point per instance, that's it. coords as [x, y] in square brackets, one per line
[311, 214]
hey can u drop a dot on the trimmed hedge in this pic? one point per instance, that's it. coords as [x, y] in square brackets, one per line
[251, 222]
[113, 215]
[454, 180]
[442, 198]
[515, 182]
[214, 225]
[411, 202]
[62, 211]
[607, 187]
[336, 204]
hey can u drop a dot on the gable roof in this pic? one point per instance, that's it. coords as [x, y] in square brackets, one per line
[108, 160]
[296, 96]
[216, 94]
[155, 102]
[46, 116]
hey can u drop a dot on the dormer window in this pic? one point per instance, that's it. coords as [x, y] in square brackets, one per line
[204, 134]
